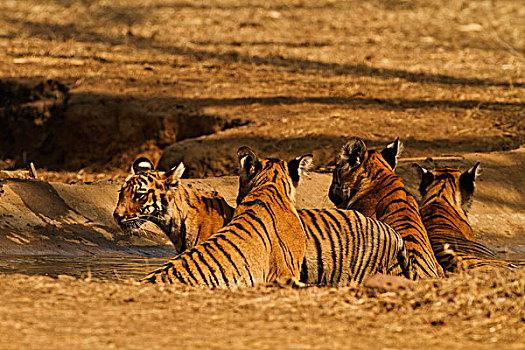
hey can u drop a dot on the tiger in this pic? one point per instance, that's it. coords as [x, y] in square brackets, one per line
[263, 242]
[184, 214]
[345, 247]
[364, 180]
[342, 246]
[446, 198]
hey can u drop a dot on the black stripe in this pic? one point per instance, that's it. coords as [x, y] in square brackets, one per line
[361, 234]
[320, 263]
[286, 252]
[199, 270]
[333, 249]
[218, 247]
[356, 249]
[251, 214]
[206, 246]
[340, 232]
[387, 234]
[248, 232]
[186, 267]
[212, 273]
[246, 264]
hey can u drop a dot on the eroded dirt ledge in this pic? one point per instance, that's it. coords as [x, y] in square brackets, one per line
[55, 218]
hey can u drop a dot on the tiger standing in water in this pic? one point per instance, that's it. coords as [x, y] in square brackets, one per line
[263, 242]
[446, 197]
[342, 246]
[364, 180]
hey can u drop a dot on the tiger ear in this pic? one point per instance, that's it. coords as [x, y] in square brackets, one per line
[141, 164]
[353, 152]
[299, 167]
[391, 153]
[466, 184]
[468, 178]
[426, 177]
[174, 175]
[248, 161]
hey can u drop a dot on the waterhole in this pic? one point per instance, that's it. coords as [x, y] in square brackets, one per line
[102, 268]
[115, 268]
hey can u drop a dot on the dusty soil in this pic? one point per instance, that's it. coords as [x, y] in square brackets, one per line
[485, 311]
[87, 86]
[285, 77]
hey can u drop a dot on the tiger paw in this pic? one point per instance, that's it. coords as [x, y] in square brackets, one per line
[289, 282]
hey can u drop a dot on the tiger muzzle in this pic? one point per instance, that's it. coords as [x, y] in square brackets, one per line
[118, 219]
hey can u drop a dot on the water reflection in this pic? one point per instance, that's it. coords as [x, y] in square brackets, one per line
[99, 267]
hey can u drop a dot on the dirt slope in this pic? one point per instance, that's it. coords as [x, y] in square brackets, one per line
[89, 85]
[43, 218]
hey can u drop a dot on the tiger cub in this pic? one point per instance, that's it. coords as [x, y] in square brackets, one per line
[184, 214]
[364, 180]
[446, 197]
[263, 242]
[342, 246]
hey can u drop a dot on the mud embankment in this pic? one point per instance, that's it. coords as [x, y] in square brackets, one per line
[55, 218]
[45, 123]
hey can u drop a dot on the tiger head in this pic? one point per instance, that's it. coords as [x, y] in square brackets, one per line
[356, 167]
[450, 183]
[143, 197]
[255, 172]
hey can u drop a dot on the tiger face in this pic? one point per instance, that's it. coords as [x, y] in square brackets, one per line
[352, 174]
[453, 184]
[143, 196]
[255, 171]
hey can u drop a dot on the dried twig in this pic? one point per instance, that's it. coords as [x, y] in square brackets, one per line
[32, 171]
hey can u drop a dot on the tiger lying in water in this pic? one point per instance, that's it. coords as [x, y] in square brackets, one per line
[446, 197]
[342, 246]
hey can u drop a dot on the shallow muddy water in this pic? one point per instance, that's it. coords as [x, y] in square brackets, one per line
[99, 267]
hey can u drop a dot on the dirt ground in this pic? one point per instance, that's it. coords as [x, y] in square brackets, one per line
[87, 86]
[481, 312]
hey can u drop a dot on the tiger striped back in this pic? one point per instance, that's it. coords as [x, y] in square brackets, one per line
[446, 196]
[342, 246]
[263, 242]
[364, 180]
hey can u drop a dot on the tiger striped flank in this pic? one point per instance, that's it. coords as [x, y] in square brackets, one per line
[446, 197]
[342, 246]
[263, 242]
[364, 180]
